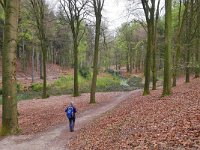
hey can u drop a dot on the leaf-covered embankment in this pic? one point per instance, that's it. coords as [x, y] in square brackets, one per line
[147, 122]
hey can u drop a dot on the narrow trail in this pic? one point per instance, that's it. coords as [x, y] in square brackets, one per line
[57, 137]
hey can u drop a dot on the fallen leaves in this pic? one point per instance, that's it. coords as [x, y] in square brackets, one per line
[151, 122]
[40, 115]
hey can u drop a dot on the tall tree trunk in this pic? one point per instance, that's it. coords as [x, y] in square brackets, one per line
[148, 58]
[189, 38]
[127, 62]
[154, 74]
[187, 71]
[149, 10]
[53, 56]
[154, 69]
[176, 61]
[44, 58]
[95, 62]
[33, 64]
[36, 61]
[76, 91]
[178, 42]
[131, 61]
[197, 69]
[168, 37]
[40, 65]
[9, 108]
[23, 55]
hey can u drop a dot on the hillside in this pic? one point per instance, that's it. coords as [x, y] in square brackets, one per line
[151, 122]
[25, 76]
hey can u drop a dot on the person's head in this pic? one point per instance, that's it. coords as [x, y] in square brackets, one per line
[71, 103]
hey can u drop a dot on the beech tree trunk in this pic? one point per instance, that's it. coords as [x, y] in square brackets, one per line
[44, 54]
[33, 64]
[40, 65]
[178, 46]
[168, 37]
[95, 62]
[148, 58]
[189, 31]
[197, 69]
[154, 67]
[149, 10]
[76, 91]
[98, 6]
[9, 107]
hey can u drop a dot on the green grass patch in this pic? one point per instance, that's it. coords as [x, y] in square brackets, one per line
[108, 83]
[37, 87]
[65, 85]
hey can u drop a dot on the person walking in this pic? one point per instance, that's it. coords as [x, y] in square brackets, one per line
[70, 112]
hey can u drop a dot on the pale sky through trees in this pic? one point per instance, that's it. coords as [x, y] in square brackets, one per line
[115, 12]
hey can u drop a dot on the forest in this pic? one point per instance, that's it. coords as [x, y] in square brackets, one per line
[135, 86]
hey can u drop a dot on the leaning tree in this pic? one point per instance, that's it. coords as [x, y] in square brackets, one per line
[97, 6]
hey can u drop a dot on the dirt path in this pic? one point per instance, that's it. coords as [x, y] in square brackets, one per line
[57, 137]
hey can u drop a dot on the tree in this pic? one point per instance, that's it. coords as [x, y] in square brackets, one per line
[168, 45]
[197, 68]
[149, 11]
[2, 18]
[38, 8]
[189, 4]
[181, 20]
[97, 6]
[74, 14]
[154, 71]
[9, 114]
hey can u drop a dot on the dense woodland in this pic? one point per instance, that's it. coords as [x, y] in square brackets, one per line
[162, 42]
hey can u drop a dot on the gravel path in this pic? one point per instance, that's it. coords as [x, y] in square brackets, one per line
[57, 137]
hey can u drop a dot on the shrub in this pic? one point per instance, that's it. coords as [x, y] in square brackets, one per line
[1, 91]
[60, 81]
[18, 87]
[135, 81]
[37, 87]
[113, 72]
[124, 83]
[85, 72]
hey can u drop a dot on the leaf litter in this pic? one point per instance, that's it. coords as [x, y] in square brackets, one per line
[147, 122]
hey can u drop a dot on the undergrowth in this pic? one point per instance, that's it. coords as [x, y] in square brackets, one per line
[64, 85]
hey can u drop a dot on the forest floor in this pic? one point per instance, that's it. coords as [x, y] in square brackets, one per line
[119, 120]
[24, 77]
[44, 125]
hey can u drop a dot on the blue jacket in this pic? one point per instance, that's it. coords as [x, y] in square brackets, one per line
[74, 110]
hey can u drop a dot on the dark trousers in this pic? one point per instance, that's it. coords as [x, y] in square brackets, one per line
[71, 124]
